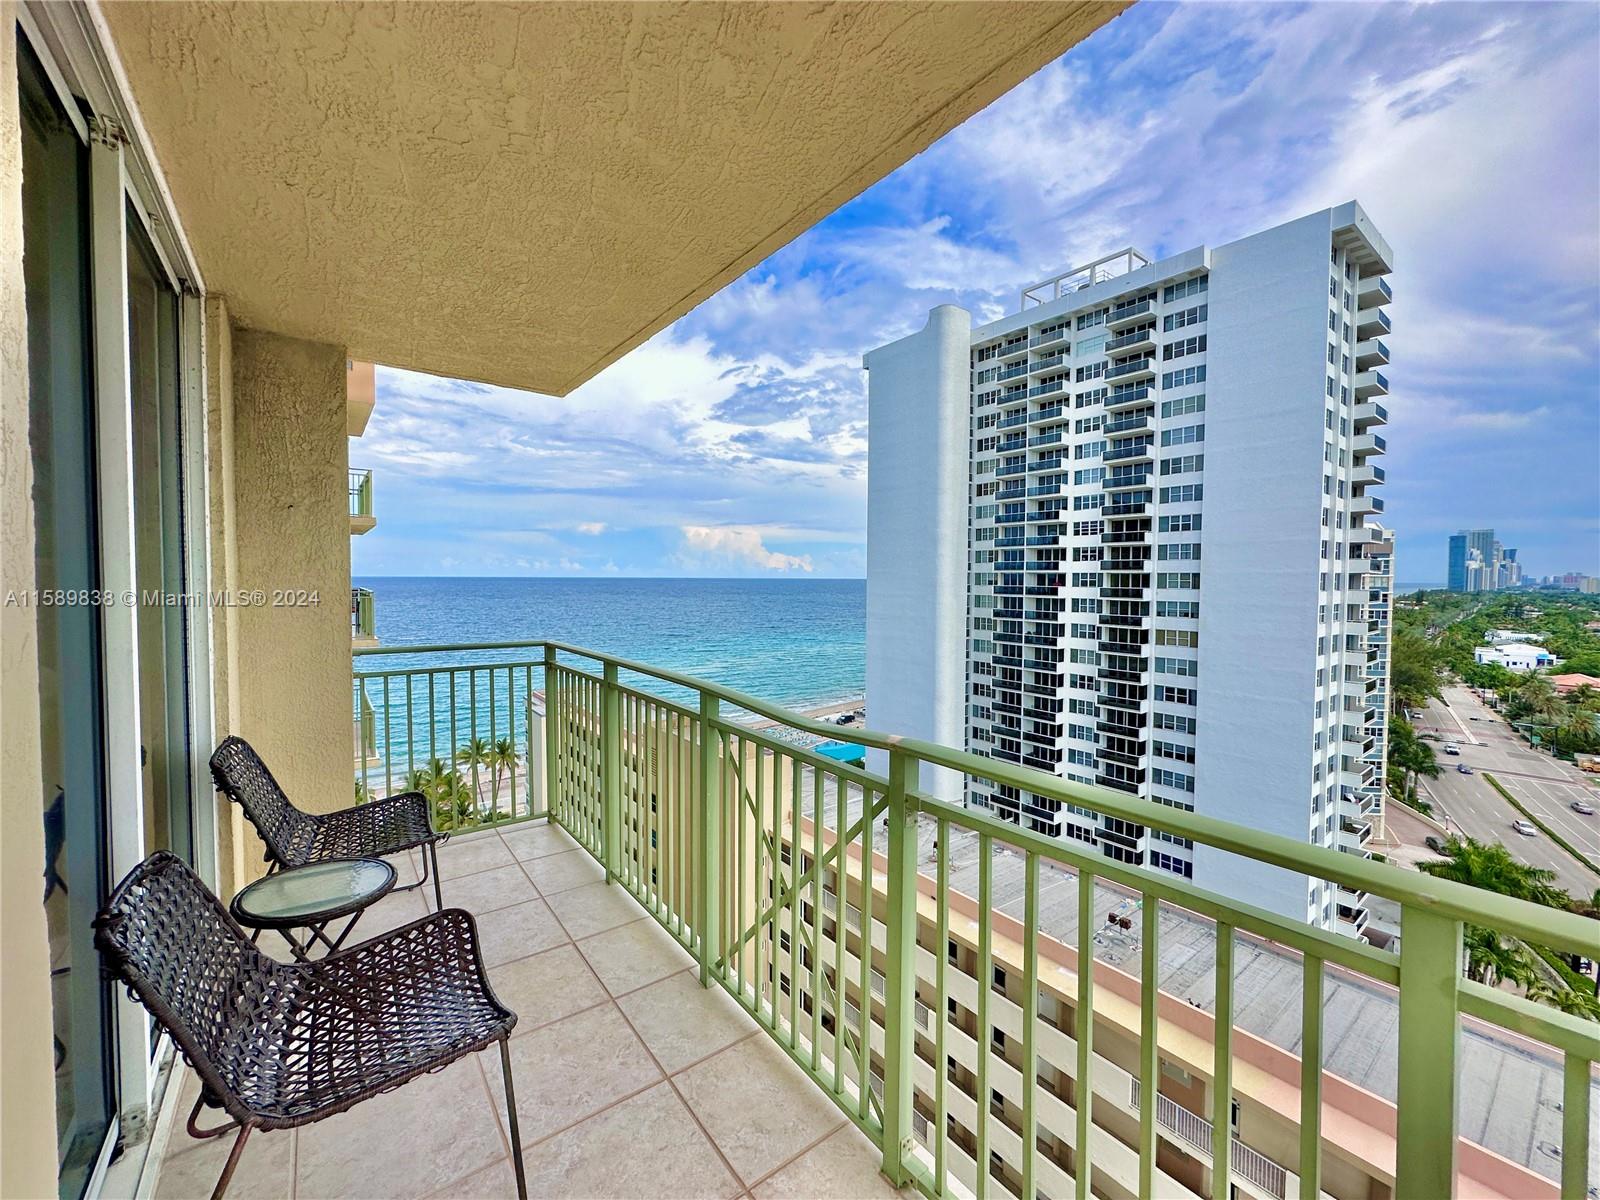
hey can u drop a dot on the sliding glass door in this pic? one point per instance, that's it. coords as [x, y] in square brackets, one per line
[158, 528]
[67, 554]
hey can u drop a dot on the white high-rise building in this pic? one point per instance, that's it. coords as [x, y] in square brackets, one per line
[1175, 583]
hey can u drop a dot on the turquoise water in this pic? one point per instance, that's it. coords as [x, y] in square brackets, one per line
[801, 643]
[797, 643]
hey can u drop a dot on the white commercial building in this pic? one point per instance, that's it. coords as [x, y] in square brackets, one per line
[1174, 583]
[1521, 657]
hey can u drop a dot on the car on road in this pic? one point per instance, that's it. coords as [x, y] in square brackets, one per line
[1525, 828]
[1463, 769]
[1451, 748]
[1434, 844]
[1584, 807]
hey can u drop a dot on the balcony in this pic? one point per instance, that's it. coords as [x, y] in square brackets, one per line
[1133, 371]
[363, 619]
[1050, 338]
[1367, 443]
[1372, 323]
[1367, 415]
[1120, 398]
[1372, 353]
[766, 1016]
[1370, 384]
[361, 514]
[617, 1042]
[1123, 483]
[1372, 292]
[1131, 451]
[1129, 424]
[1046, 363]
[1127, 314]
[1133, 341]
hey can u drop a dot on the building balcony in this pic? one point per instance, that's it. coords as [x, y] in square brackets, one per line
[1125, 483]
[1050, 338]
[1048, 388]
[1372, 323]
[1049, 412]
[362, 517]
[1047, 363]
[1136, 370]
[1132, 423]
[1012, 420]
[1133, 341]
[1371, 353]
[1123, 315]
[1121, 398]
[1367, 443]
[1140, 449]
[1370, 384]
[717, 951]
[1372, 292]
[1367, 415]
[363, 618]
[1365, 505]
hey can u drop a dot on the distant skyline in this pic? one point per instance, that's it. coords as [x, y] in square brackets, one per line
[734, 442]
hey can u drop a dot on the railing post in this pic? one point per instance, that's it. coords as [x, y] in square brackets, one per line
[552, 771]
[708, 880]
[611, 772]
[900, 965]
[1430, 1024]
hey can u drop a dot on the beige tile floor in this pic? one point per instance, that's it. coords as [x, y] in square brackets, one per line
[631, 1079]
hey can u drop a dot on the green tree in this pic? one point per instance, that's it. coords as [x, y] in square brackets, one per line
[1413, 670]
[1491, 867]
[503, 760]
[472, 755]
[1409, 756]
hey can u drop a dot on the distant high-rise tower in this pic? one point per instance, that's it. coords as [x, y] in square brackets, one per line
[1176, 586]
[1479, 563]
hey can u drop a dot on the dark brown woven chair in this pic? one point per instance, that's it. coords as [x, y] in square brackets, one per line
[295, 838]
[279, 1045]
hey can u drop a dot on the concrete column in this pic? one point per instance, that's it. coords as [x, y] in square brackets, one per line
[918, 410]
[289, 661]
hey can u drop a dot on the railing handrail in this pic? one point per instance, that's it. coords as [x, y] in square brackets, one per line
[1545, 926]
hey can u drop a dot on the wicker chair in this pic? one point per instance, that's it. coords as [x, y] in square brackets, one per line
[279, 1045]
[295, 838]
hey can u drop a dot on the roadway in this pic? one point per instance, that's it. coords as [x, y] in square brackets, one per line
[1544, 785]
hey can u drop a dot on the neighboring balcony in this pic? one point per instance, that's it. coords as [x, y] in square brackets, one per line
[1372, 323]
[1364, 505]
[1134, 371]
[363, 618]
[362, 517]
[1133, 341]
[1370, 384]
[1373, 291]
[1126, 314]
[1371, 353]
[1368, 443]
[1369, 414]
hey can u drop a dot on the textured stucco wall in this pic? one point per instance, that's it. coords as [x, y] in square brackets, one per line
[520, 193]
[238, 848]
[27, 1125]
[291, 668]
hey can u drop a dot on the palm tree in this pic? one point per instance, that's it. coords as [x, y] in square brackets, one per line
[1492, 959]
[502, 759]
[1491, 867]
[474, 754]
[1568, 999]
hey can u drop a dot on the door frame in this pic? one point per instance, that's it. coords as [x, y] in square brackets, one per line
[73, 43]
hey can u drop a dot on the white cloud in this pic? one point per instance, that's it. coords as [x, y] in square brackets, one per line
[592, 528]
[740, 544]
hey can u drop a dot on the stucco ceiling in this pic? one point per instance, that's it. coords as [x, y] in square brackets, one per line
[521, 193]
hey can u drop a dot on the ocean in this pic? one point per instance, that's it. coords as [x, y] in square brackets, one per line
[800, 643]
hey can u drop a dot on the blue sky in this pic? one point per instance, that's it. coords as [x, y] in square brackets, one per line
[734, 442]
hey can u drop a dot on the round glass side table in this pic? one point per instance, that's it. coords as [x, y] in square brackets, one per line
[310, 898]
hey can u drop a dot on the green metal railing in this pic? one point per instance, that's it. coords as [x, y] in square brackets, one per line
[363, 613]
[820, 896]
[360, 492]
